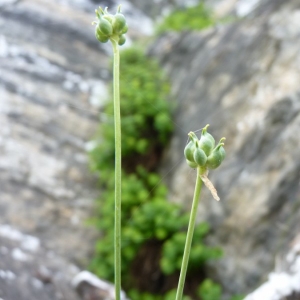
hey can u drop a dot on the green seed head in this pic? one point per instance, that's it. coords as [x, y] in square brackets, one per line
[206, 142]
[203, 153]
[110, 26]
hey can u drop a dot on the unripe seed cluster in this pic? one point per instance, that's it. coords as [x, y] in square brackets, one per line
[110, 26]
[203, 152]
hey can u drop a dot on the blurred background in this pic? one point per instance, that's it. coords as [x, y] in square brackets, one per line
[233, 64]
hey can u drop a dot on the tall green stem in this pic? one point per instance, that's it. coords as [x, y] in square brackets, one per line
[117, 118]
[189, 236]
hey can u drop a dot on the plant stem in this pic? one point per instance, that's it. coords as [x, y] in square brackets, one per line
[189, 236]
[117, 119]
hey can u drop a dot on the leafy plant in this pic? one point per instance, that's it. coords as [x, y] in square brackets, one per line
[146, 122]
[192, 18]
[147, 216]
[134, 294]
[173, 250]
[209, 290]
[237, 297]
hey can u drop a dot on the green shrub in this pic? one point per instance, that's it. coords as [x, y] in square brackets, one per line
[147, 216]
[145, 113]
[199, 255]
[134, 294]
[209, 290]
[192, 18]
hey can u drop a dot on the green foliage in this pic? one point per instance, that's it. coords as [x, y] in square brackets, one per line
[134, 294]
[147, 216]
[192, 18]
[173, 250]
[209, 290]
[145, 113]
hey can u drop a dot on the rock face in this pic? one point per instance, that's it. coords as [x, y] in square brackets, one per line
[53, 76]
[220, 8]
[243, 79]
[283, 283]
[48, 73]
[90, 287]
[30, 271]
[53, 80]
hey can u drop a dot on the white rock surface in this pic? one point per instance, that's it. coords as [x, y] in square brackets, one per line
[281, 283]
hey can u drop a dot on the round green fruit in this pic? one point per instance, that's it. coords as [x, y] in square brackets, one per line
[118, 23]
[200, 157]
[215, 159]
[189, 151]
[105, 27]
[122, 40]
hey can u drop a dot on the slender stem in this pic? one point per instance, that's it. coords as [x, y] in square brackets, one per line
[117, 118]
[189, 236]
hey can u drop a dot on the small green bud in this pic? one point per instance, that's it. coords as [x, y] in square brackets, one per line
[122, 40]
[200, 157]
[216, 157]
[189, 151]
[119, 22]
[105, 26]
[191, 164]
[100, 36]
[206, 142]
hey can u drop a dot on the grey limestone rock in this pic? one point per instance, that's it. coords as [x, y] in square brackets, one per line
[48, 73]
[28, 270]
[52, 84]
[90, 287]
[242, 78]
